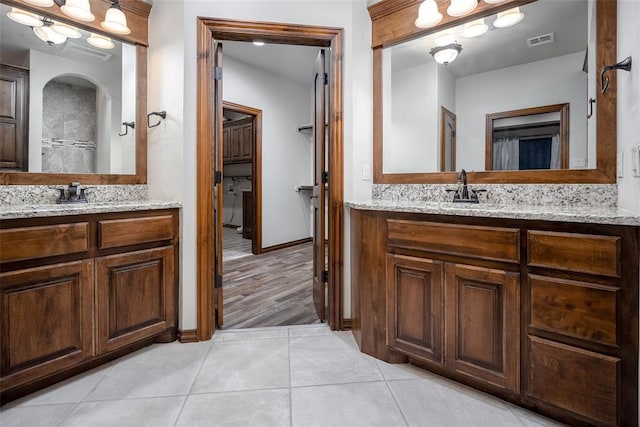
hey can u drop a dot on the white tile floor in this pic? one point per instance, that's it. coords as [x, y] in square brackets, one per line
[285, 376]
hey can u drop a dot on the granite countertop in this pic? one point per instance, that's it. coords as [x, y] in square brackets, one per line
[583, 214]
[45, 210]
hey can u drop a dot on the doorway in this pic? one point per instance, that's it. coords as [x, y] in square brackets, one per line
[209, 259]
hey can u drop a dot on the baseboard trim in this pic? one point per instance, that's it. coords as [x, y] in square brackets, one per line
[188, 335]
[287, 245]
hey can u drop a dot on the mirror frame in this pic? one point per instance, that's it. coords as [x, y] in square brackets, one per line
[137, 18]
[393, 23]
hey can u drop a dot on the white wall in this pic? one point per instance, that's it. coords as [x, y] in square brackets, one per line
[502, 90]
[628, 101]
[172, 159]
[285, 151]
[127, 159]
[44, 67]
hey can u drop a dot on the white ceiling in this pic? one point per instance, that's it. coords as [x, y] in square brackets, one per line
[506, 47]
[291, 61]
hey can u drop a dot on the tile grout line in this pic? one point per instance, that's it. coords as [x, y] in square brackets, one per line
[195, 378]
[290, 388]
[395, 400]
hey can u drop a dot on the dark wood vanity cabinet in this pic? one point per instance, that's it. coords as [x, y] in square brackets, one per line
[79, 290]
[540, 313]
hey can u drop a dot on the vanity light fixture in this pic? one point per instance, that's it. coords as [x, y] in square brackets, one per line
[41, 3]
[475, 28]
[47, 35]
[428, 14]
[508, 18]
[100, 41]
[66, 30]
[461, 7]
[446, 49]
[25, 18]
[77, 9]
[115, 20]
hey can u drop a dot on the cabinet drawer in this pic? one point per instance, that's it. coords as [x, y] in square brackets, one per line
[578, 380]
[578, 309]
[132, 231]
[18, 244]
[492, 243]
[582, 253]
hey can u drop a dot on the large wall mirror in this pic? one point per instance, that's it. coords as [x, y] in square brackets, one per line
[517, 104]
[73, 108]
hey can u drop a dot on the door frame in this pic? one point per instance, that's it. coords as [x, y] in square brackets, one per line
[209, 29]
[256, 171]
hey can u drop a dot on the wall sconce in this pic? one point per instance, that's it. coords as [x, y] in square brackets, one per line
[461, 7]
[115, 20]
[25, 18]
[475, 28]
[446, 49]
[428, 14]
[508, 18]
[77, 9]
[46, 33]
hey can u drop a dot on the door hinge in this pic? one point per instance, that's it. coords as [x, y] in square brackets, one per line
[218, 283]
[217, 178]
[325, 177]
[326, 79]
[217, 73]
[453, 134]
[325, 276]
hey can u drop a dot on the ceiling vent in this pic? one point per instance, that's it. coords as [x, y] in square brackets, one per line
[71, 47]
[540, 40]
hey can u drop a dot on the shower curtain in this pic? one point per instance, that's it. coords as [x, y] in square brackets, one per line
[506, 154]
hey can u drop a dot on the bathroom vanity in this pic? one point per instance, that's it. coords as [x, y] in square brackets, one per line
[80, 285]
[536, 305]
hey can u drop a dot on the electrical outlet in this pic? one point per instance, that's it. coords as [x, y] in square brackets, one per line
[579, 162]
[366, 172]
[620, 164]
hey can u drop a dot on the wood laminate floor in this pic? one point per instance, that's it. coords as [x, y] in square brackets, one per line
[234, 245]
[272, 289]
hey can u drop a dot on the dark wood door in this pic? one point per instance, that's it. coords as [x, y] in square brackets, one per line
[46, 322]
[14, 107]
[134, 297]
[218, 294]
[318, 198]
[415, 297]
[482, 324]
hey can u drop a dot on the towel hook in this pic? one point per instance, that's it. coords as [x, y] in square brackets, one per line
[161, 114]
[625, 64]
[127, 125]
[591, 101]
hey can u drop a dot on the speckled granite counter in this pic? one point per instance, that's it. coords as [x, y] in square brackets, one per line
[592, 215]
[46, 210]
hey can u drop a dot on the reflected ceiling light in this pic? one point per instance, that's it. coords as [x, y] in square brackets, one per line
[258, 43]
[493, 1]
[41, 3]
[78, 9]
[115, 20]
[446, 49]
[428, 14]
[47, 35]
[461, 7]
[475, 28]
[66, 30]
[508, 18]
[100, 41]
[23, 17]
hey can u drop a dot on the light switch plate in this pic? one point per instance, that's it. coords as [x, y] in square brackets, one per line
[366, 172]
[620, 164]
[635, 160]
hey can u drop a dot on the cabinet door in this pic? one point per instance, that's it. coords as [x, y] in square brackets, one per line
[14, 104]
[236, 136]
[46, 322]
[246, 142]
[226, 145]
[483, 324]
[414, 306]
[134, 297]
